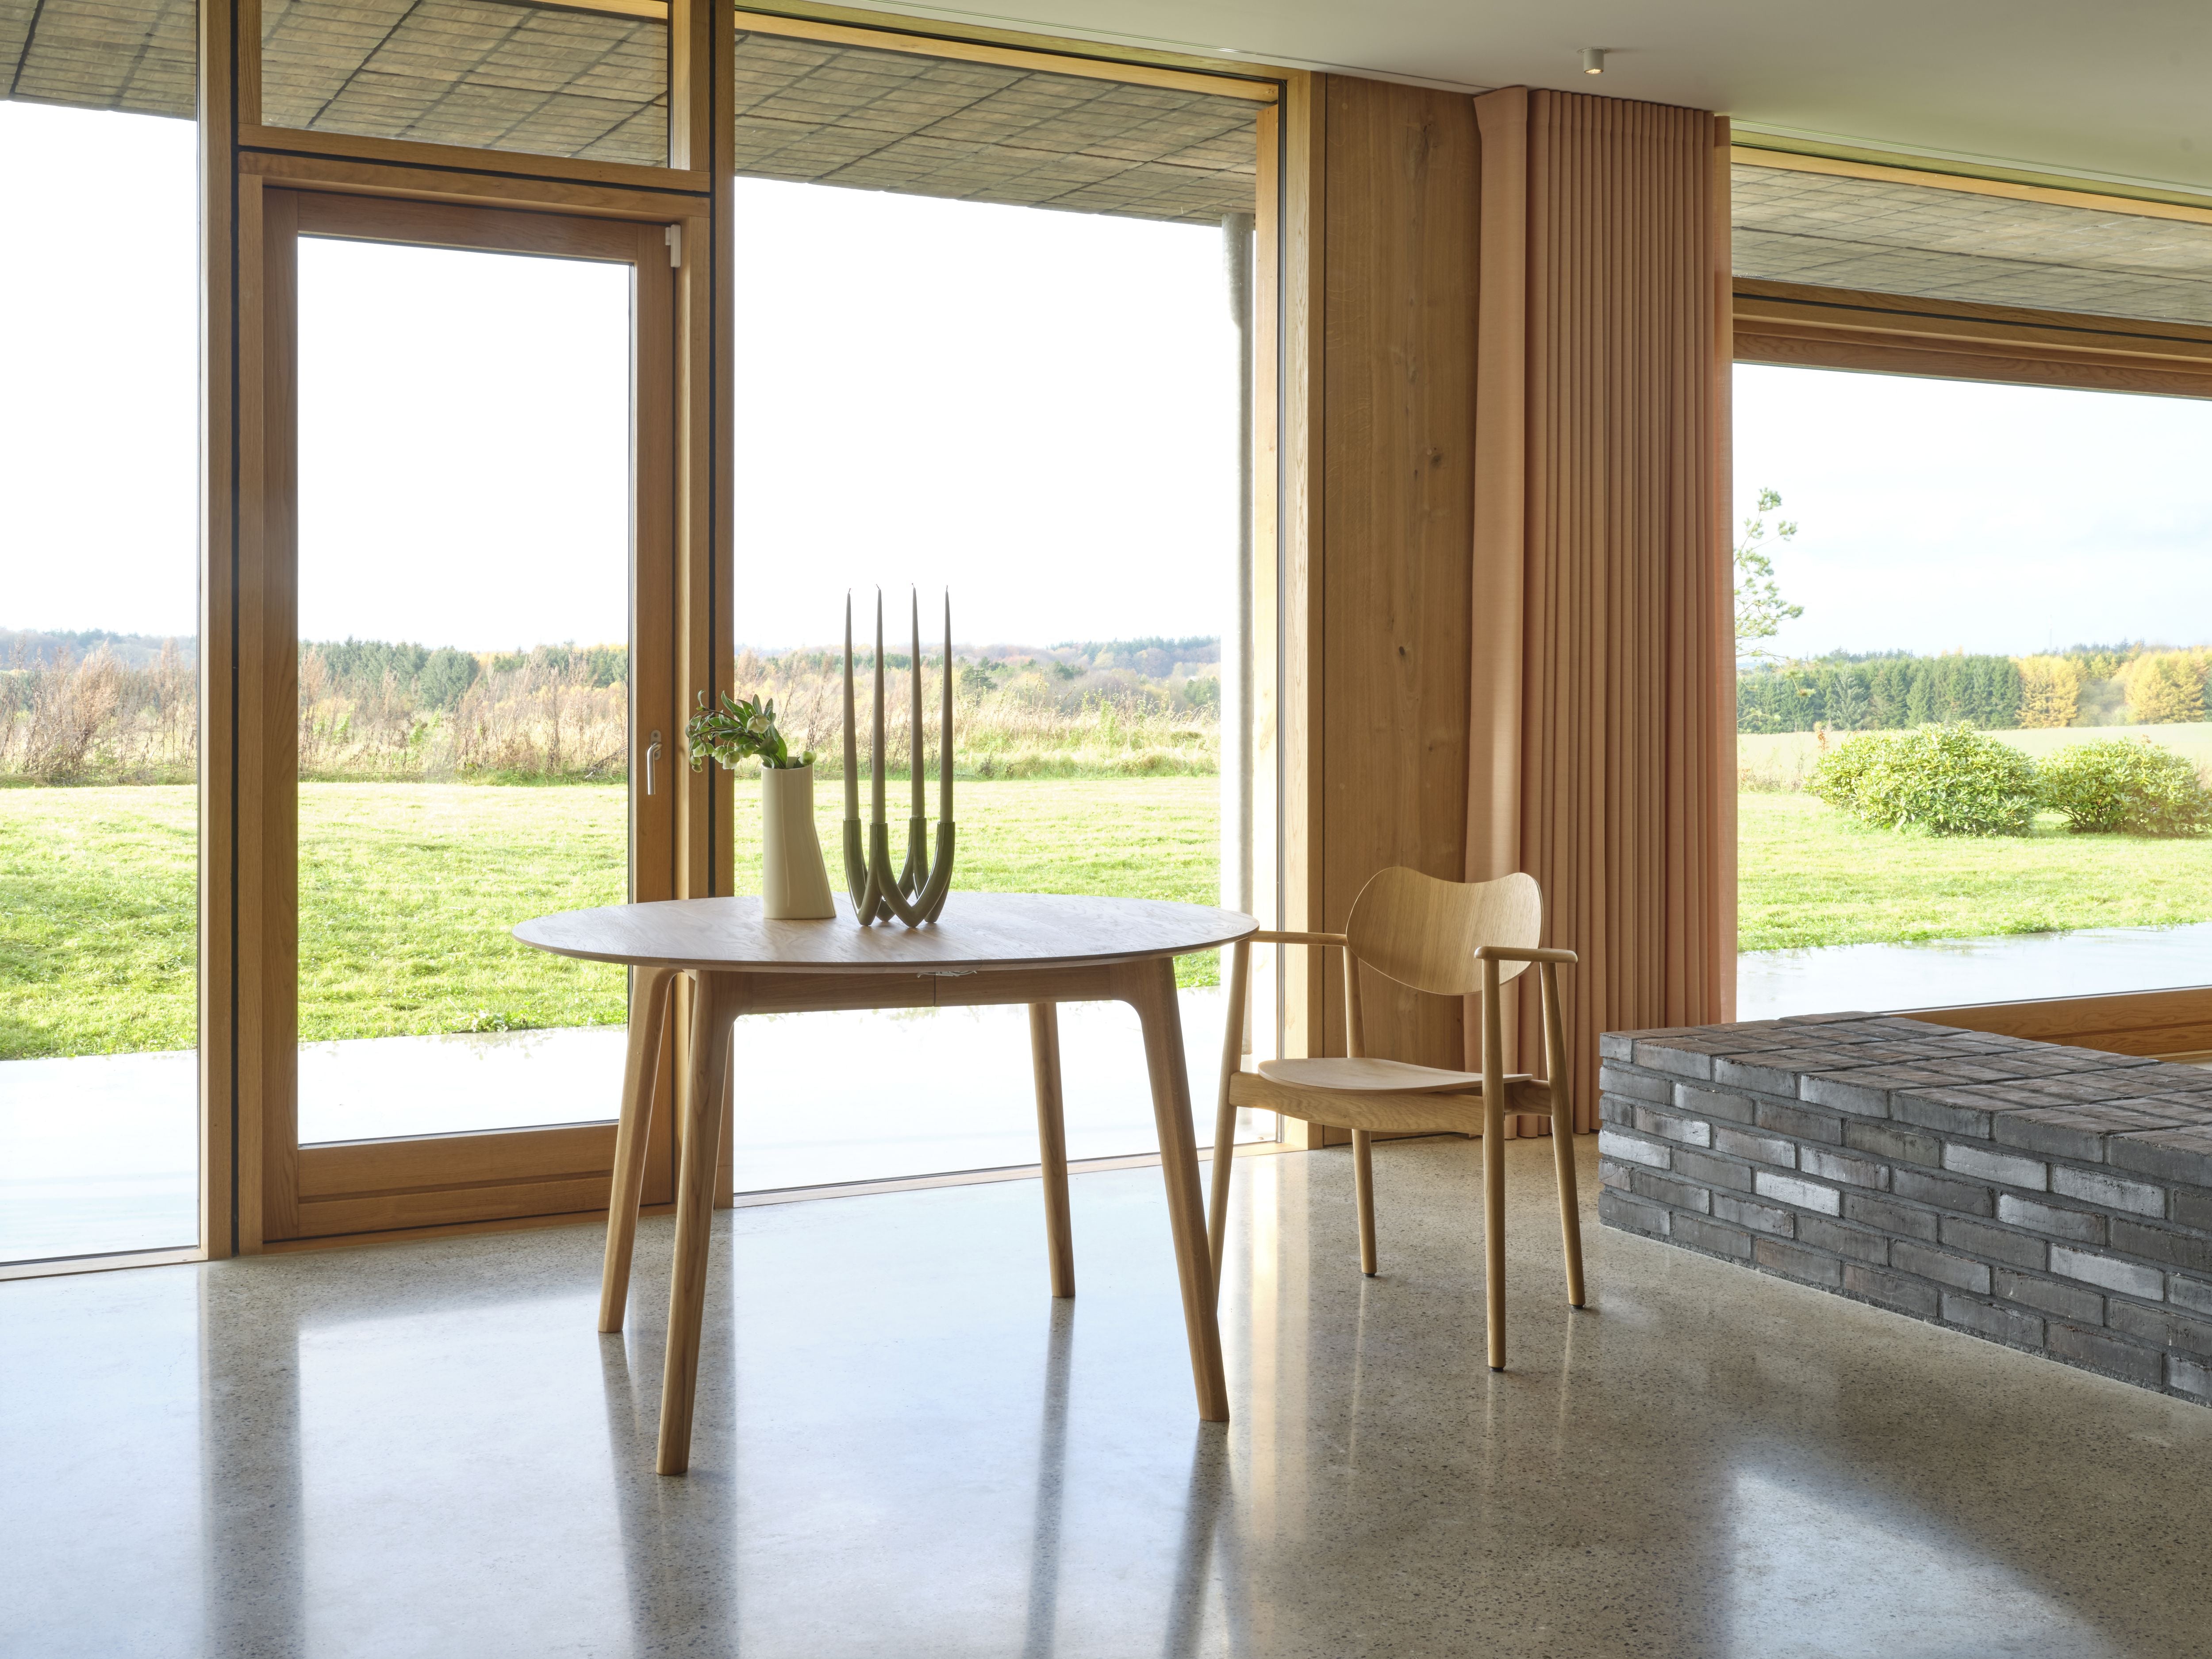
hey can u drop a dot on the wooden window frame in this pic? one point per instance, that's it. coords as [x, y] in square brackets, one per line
[333, 1190]
[246, 672]
[1801, 326]
[1808, 326]
[252, 1185]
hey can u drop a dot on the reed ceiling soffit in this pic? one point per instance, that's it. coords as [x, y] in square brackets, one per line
[547, 81]
[863, 118]
[1888, 237]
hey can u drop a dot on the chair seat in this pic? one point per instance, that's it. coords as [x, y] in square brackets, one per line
[1454, 1108]
[1370, 1076]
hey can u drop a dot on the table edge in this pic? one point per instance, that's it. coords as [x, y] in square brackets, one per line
[959, 969]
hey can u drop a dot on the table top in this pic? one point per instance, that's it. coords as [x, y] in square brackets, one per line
[976, 932]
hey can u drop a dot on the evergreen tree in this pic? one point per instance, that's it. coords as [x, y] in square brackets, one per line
[1850, 701]
[1889, 688]
[1919, 692]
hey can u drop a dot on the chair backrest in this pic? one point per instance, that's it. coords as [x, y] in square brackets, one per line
[1422, 932]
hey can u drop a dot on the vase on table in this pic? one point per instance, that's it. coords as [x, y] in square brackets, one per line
[794, 882]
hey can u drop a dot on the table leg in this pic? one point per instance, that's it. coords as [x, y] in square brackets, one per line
[1149, 987]
[649, 1019]
[720, 1000]
[1052, 1144]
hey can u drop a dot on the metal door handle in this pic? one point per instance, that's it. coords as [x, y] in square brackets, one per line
[652, 754]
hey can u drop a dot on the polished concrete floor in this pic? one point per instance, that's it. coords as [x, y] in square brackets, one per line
[905, 1448]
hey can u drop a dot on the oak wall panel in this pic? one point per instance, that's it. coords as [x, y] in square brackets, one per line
[1398, 431]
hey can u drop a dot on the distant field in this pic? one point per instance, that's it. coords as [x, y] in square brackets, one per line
[407, 892]
[1772, 760]
[1806, 875]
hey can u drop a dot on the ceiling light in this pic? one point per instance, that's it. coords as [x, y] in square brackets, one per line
[1593, 60]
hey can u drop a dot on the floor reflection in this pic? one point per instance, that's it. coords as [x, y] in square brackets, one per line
[1818, 1571]
[1051, 1474]
[905, 1446]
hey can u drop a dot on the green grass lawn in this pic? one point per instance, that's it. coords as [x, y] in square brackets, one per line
[1806, 875]
[407, 892]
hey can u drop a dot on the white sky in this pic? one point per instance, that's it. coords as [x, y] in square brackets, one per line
[99, 428]
[464, 447]
[1935, 515]
[1035, 407]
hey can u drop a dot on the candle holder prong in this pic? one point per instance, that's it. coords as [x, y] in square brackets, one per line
[914, 892]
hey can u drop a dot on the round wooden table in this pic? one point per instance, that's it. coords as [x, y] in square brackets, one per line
[987, 949]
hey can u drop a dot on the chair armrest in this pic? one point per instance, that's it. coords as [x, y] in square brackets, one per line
[1519, 953]
[1264, 937]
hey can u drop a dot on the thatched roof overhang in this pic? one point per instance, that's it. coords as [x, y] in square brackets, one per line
[551, 81]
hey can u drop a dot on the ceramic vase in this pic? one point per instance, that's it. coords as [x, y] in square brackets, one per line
[794, 882]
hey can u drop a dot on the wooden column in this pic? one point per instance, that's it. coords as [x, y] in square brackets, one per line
[1398, 502]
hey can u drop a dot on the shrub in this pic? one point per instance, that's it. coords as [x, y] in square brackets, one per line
[2130, 788]
[1948, 779]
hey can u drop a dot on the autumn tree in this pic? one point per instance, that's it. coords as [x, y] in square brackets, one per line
[2166, 687]
[2051, 690]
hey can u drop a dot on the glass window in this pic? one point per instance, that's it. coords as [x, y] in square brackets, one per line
[1005, 362]
[99, 643]
[2023, 568]
[465, 628]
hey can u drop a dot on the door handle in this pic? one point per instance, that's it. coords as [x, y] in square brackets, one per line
[652, 754]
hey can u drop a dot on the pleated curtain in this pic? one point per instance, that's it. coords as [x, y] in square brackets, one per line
[1601, 753]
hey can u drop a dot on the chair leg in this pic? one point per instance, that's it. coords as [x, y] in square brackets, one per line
[1563, 1130]
[1493, 1231]
[1571, 1220]
[1494, 1162]
[1362, 1193]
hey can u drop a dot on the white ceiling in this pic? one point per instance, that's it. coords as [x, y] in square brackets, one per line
[2119, 89]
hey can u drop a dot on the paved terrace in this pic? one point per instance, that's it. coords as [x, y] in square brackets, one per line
[2056, 1199]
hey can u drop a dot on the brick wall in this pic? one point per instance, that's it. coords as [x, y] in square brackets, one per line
[2056, 1199]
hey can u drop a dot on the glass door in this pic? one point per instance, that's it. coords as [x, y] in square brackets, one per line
[487, 724]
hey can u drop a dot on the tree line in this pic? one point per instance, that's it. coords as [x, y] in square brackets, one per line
[2087, 685]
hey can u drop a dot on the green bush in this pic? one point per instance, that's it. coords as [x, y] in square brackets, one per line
[2129, 788]
[1948, 779]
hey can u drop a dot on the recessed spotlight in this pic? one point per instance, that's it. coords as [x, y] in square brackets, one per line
[1593, 60]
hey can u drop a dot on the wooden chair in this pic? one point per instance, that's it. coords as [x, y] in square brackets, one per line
[1450, 938]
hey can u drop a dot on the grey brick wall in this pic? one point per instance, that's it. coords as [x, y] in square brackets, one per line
[2052, 1198]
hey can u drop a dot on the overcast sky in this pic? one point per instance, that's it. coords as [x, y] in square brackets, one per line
[1936, 515]
[1034, 407]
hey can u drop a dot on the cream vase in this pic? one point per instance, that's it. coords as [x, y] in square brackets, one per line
[794, 882]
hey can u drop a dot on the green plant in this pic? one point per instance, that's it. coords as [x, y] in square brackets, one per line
[1947, 780]
[2128, 788]
[740, 732]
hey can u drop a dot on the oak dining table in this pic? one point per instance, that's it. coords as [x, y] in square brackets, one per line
[985, 950]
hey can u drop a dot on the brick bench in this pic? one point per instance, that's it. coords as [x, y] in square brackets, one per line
[2056, 1200]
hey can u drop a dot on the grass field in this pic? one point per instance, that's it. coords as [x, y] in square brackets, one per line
[1806, 875]
[407, 892]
